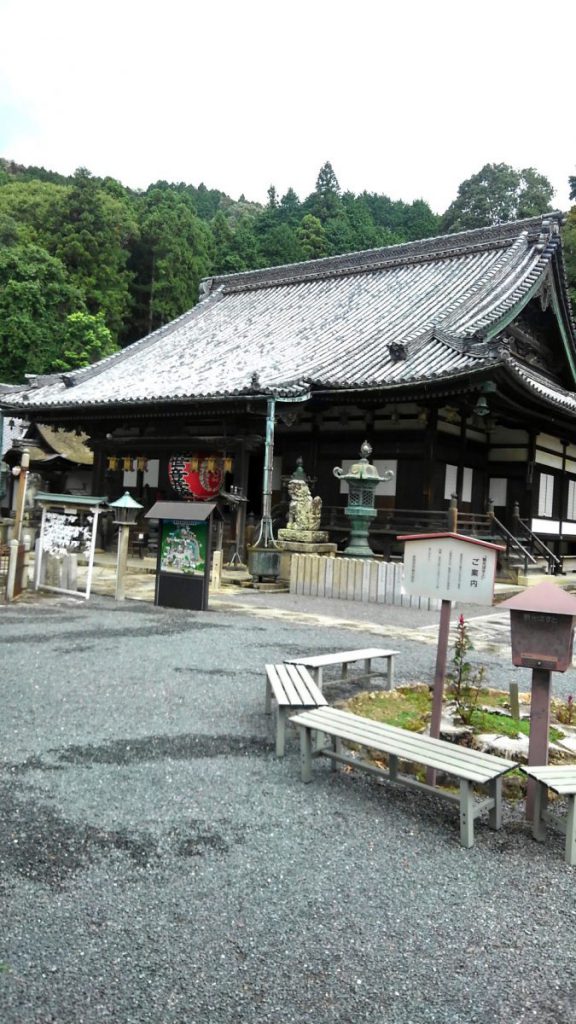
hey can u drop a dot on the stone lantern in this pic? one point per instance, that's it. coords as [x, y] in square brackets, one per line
[126, 511]
[362, 479]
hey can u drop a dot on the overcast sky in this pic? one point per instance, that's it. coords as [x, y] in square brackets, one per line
[405, 99]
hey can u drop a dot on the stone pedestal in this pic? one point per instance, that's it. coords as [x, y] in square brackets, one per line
[302, 542]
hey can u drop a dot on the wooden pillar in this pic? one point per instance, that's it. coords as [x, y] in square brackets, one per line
[539, 729]
[432, 452]
[461, 456]
[99, 469]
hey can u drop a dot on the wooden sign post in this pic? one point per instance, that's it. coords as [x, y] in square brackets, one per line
[451, 567]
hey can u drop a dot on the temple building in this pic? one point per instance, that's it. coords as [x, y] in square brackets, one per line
[455, 357]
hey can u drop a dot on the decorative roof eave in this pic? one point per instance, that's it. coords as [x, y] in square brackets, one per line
[293, 392]
[536, 384]
[441, 384]
[475, 347]
[553, 278]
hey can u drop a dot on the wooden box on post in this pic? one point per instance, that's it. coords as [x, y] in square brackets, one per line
[184, 553]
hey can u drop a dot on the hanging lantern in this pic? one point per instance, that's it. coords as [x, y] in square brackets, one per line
[141, 464]
[193, 479]
[113, 462]
[127, 464]
[228, 464]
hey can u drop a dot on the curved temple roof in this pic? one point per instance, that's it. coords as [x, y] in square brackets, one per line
[386, 317]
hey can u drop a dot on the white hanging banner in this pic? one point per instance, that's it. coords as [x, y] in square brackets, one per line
[67, 529]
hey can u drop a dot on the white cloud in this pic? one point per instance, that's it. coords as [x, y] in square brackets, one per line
[408, 100]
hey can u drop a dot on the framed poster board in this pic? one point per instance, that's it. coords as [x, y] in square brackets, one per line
[184, 553]
[183, 546]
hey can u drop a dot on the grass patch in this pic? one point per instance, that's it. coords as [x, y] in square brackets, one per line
[405, 707]
[409, 707]
[484, 721]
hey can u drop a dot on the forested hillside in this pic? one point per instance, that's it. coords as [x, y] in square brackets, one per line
[88, 265]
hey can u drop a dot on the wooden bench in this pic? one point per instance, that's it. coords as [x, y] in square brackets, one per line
[318, 662]
[562, 780]
[469, 766]
[292, 687]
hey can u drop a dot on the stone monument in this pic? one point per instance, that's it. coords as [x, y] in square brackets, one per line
[302, 534]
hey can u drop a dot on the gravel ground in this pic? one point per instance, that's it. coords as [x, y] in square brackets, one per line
[160, 866]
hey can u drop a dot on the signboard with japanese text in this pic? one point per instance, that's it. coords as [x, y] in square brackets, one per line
[451, 567]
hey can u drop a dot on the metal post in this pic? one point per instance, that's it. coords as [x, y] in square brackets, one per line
[264, 556]
[539, 729]
[266, 537]
[438, 695]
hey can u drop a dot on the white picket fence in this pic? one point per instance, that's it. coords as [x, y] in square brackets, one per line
[354, 579]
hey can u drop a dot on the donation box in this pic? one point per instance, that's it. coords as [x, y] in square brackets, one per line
[184, 553]
[542, 627]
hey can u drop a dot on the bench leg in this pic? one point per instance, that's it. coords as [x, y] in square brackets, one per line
[337, 748]
[281, 714]
[393, 767]
[306, 754]
[570, 852]
[466, 814]
[390, 671]
[268, 698]
[319, 740]
[540, 801]
[495, 813]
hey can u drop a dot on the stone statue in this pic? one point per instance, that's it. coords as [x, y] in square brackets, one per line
[302, 533]
[304, 511]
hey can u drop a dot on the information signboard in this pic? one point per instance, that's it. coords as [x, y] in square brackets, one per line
[451, 567]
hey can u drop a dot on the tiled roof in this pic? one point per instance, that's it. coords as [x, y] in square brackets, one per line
[386, 317]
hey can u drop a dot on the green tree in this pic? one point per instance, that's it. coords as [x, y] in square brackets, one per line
[277, 243]
[290, 210]
[324, 202]
[172, 253]
[85, 340]
[496, 194]
[572, 183]
[35, 207]
[235, 249]
[312, 237]
[36, 296]
[91, 237]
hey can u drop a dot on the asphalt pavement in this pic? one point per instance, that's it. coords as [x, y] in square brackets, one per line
[158, 865]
